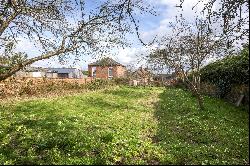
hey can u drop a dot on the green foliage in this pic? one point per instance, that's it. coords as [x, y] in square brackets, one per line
[180, 84]
[227, 72]
[121, 81]
[125, 126]
[98, 84]
[10, 58]
[3, 69]
[216, 136]
[85, 72]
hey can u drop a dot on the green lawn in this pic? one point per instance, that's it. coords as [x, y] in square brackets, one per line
[123, 126]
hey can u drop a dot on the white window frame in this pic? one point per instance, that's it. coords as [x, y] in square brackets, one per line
[110, 76]
[93, 70]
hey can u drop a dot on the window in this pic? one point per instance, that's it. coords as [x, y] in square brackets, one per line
[110, 72]
[93, 71]
[63, 75]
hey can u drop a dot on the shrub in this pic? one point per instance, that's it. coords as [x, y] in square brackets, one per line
[235, 93]
[98, 84]
[179, 83]
[209, 89]
[226, 73]
[28, 88]
[157, 83]
[121, 81]
[25, 86]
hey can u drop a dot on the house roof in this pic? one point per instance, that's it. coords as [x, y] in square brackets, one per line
[141, 72]
[51, 70]
[33, 69]
[105, 62]
[63, 70]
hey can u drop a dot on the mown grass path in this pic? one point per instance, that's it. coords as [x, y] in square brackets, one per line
[123, 125]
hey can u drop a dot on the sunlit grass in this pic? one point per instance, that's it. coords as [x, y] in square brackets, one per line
[123, 126]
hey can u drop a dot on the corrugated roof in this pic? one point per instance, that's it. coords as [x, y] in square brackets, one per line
[33, 69]
[62, 70]
[105, 62]
[50, 70]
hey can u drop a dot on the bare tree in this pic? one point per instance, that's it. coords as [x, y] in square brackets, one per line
[187, 50]
[61, 27]
[228, 19]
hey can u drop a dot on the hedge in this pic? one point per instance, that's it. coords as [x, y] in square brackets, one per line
[232, 70]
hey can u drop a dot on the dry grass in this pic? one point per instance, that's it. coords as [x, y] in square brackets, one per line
[13, 90]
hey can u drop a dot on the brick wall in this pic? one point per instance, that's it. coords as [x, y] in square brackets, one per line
[102, 72]
[121, 71]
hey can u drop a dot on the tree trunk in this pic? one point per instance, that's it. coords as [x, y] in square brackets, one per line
[200, 101]
[195, 91]
[197, 94]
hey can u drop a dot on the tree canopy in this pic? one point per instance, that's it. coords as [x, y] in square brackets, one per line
[60, 27]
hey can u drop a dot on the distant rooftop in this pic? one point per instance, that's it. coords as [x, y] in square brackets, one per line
[53, 70]
[106, 62]
[142, 72]
[63, 70]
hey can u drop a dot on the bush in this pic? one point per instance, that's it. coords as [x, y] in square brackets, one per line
[180, 84]
[98, 84]
[226, 73]
[121, 81]
[157, 83]
[16, 87]
[28, 88]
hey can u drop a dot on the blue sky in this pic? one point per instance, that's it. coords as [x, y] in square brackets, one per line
[149, 27]
[126, 56]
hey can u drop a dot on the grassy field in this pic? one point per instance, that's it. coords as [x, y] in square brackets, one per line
[123, 126]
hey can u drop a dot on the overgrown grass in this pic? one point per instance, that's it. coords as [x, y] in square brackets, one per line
[218, 135]
[123, 126]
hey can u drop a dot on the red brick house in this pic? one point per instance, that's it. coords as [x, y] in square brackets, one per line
[106, 68]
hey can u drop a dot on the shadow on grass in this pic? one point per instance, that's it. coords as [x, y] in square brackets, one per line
[216, 136]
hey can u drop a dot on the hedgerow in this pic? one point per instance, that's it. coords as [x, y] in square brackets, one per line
[225, 73]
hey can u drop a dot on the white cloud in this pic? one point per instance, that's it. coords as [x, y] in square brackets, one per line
[169, 14]
[136, 54]
[25, 45]
[167, 11]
